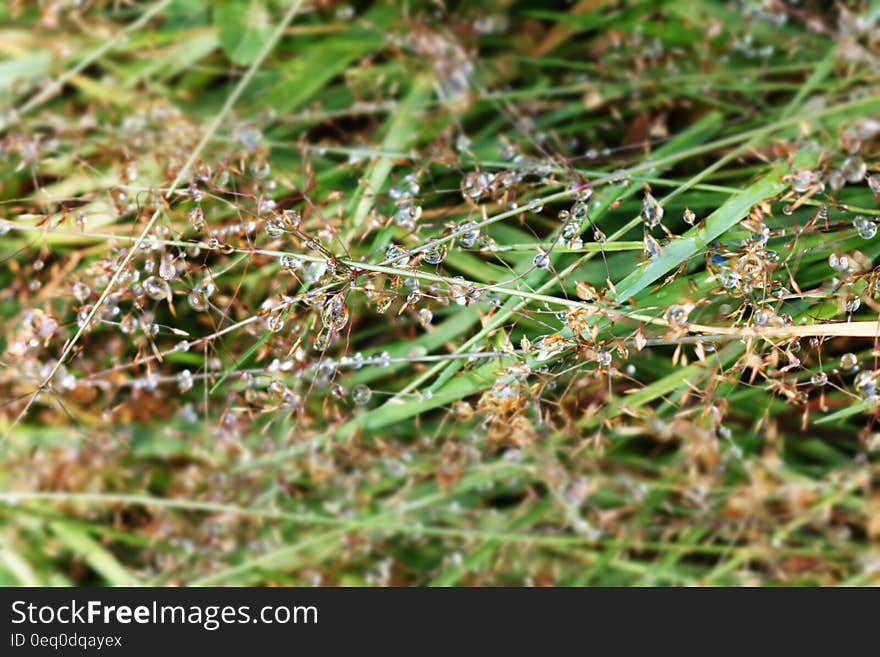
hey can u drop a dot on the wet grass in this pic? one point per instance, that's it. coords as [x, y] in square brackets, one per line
[395, 294]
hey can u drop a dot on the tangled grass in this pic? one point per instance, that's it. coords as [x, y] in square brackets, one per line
[490, 293]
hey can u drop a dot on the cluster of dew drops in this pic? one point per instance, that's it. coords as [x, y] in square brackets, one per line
[179, 276]
[238, 210]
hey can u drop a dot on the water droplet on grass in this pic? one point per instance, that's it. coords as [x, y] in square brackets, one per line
[396, 256]
[580, 212]
[290, 219]
[157, 289]
[848, 361]
[275, 323]
[866, 228]
[407, 216]
[652, 247]
[185, 381]
[81, 291]
[652, 211]
[434, 255]
[167, 268]
[335, 313]
[804, 180]
[361, 395]
[838, 262]
[469, 236]
[677, 315]
[866, 384]
[197, 299]
[570, 230]
[197, 219]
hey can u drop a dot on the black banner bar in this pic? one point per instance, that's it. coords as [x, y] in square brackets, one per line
[286, 621]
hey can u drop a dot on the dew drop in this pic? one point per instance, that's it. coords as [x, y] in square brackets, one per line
[290, 219]
[67, 381]
[469, 236]
[167, 268]
[853, 169]
[184, 381]
[804, 180]
[407, 216]
[361, 395]
[274, 229]
[157, 289]
[676, 315]
[838, 262]
[335, 313]
[249, 136]
[315, 271]
[652, 247]
[82, 318]
[275, 323]
[581, 191]
[866, 228]
[866, 384]
[197, 299]
[570, 230]
[435, 254]
[652, 211]
[396, 256]
[197, 219]
[288, 262]
[580, 212]
[81, 291]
